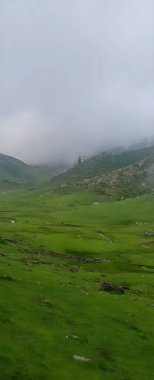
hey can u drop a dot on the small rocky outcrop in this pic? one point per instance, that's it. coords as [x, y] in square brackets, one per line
[112, 288]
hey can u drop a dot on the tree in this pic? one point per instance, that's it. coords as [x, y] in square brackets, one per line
[79, 160]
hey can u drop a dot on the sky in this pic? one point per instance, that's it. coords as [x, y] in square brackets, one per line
[76, 77]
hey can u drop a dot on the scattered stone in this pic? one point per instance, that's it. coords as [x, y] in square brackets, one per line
[72, 336]
[147, 244]
[39, 262]
[149, 233]
[29, 262]
[94, 260]
[72, 256]
[63, 185]
[112, 288]
[46, 302]
[73, 269]
[81, 358]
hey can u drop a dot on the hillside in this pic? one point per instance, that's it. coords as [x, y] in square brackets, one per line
[126, 173]
[16, 174]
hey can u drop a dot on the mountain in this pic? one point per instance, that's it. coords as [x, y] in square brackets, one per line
[16, 174]
[118, 174]
[127, 173]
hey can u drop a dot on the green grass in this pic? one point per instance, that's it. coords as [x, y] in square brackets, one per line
[114, 331]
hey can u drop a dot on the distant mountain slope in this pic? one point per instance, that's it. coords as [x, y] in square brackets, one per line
[16, 174]
[126, 173]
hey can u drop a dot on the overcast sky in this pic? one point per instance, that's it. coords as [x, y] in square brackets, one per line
[75, 76]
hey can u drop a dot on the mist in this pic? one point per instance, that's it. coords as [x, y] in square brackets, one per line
[75, 77]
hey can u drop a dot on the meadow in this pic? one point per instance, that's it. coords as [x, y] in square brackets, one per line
[56, 321]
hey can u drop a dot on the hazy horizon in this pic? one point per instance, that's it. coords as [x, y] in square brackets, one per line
[75, 77]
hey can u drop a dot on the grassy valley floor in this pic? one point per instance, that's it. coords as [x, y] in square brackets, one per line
[56, 320]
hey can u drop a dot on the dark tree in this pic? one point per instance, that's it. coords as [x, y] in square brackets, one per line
[79, 160]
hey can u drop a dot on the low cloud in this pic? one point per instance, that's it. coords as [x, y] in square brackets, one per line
[76, 77]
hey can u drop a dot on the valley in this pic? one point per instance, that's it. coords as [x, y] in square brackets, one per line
[76, 277]
[77, 190]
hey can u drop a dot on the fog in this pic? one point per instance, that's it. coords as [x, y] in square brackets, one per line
[75, 77]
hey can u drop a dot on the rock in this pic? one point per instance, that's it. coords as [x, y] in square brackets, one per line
[147, 244]
[112, 288]
[63, 185]
[149, 233]
[81, 358]
[72, 336]
[39, 262]
[73, 269]
[46, 302]
[27, 261]
[13, 221]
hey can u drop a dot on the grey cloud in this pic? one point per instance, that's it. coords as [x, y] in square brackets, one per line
[76, 77]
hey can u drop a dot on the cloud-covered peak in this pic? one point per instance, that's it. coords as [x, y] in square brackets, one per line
[75, 76]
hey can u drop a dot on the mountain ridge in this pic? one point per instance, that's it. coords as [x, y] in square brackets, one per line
[126, 173]
[123, 173]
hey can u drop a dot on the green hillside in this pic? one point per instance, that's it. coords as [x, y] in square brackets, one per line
[124, 174]
[16, 174]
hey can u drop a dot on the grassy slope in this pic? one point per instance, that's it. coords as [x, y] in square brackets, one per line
[115, 332]
[16, 174]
